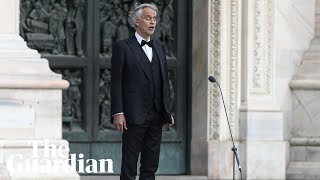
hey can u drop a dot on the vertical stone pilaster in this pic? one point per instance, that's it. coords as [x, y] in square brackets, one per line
[261, 121]
[216, 51]
[200, 103]
[230, 66]
[258, 74]
[214, 68]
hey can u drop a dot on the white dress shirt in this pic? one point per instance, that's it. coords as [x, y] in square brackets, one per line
[146, 48]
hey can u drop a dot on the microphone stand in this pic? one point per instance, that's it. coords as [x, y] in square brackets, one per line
[233, 149]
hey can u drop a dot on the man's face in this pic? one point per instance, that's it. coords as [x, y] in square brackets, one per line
[147, 23]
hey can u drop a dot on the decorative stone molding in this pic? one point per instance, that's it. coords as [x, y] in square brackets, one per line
[305, 141]
[258, 73]
[307, 84]
[214, 68]
[234, 60]
[215, 65]
[269, 32]
[261, 51]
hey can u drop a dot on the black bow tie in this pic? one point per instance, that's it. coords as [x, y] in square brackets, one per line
[143, 42]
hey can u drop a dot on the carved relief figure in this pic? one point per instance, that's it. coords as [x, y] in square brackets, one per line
[44, 25]
[105, 100]
[172, 88]
[122, 31]
[106, 8]
[166, 27]
[25, 9]
[109, 32]
[38, 36]
[67, 105]
[67, 111]
[158, 31]
[74, 28]
[56, 28]
[39, 17]
[114, 23]
[71, 98]
[108, 22]
[74, 92]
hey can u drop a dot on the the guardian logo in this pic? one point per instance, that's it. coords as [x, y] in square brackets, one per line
[55, 158]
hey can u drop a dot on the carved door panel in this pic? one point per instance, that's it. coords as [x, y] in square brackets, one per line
[76, 36]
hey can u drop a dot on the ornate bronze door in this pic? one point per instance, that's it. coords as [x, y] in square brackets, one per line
[76, 36]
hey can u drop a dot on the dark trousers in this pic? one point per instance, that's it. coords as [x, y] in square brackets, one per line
[144, 139]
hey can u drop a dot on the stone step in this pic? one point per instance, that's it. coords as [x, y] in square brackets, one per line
[12, 42]
[313, 48]
[160, 177]
[314, 45]
[19, 54]
[12, 45]
[315, 41]
[303, 170]
[309, 68]
[312, 55]
[312, 77]
[305, 153]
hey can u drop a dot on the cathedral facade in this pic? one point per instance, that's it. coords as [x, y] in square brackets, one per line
[55, 71]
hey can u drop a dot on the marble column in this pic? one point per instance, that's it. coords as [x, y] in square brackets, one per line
[263, 146]
[216, 51]
[31, 105]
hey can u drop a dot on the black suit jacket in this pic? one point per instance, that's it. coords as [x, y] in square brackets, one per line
[131, 81]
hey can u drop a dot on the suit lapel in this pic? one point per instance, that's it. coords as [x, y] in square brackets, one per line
[158, 49]
[140, 56]
[161, 56]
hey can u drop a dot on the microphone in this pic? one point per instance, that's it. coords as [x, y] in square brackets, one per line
[234, 149]
[212, 79]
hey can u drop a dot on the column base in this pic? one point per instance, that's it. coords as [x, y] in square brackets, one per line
[264, 160]
[303, 170]
[264, 151]
[213, 159]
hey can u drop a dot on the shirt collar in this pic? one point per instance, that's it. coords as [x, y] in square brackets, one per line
[139, 38]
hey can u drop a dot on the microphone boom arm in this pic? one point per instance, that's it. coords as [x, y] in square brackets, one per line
[234, 149]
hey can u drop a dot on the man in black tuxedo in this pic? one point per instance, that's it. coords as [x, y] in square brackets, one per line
[140, 95]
